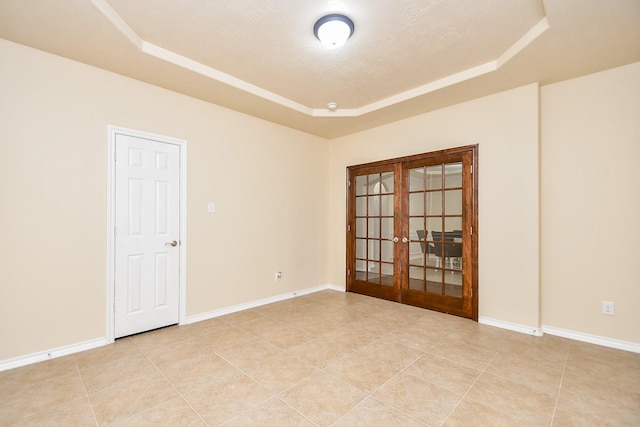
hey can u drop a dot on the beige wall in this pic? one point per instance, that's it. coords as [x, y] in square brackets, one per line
[506, 128]
[268, 183]
[280, 197]
[591, 203]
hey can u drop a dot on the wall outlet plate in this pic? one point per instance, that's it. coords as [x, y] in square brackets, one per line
[607, 308]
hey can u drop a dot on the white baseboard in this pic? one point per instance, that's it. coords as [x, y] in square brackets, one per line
[258, 303]
[523, 329]
[41, 356]
[337, 288]
[573, 335]
[592, 339]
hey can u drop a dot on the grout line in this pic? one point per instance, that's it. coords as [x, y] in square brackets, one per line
[84, 387]
[464, 396]
[172, 385]
[564, 370]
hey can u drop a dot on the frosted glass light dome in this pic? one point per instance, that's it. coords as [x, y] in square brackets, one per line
[333, 30]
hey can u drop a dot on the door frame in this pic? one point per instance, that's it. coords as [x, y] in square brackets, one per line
[473, 244]
[111, 216]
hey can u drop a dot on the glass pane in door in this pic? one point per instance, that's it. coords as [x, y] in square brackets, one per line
[435, 204]
[374, 228]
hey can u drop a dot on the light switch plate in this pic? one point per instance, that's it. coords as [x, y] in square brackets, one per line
[211, 207]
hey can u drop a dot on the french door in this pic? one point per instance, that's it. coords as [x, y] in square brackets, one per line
[412, 230]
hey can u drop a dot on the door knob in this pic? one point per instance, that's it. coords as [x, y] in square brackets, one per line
[395, 240]
[405, 240]
[174, 243]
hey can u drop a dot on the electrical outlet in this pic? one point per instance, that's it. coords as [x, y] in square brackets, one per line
[278, 275]
[607, 308]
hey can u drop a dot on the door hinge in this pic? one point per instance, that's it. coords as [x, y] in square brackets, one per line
[348, 272]
[349, 227]
[471, 231]
[348, 183]
[115, 156]
[471, 169]
[114, 307]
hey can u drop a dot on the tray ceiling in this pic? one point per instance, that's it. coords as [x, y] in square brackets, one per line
[405, 57]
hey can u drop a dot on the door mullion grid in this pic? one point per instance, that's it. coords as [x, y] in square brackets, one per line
[425, 254]
[440, 243]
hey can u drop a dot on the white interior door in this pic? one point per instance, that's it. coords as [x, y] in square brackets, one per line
[147, 234]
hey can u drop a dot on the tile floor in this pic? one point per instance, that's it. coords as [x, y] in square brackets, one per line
[329, 359]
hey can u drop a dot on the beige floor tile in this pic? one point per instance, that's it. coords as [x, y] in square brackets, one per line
[118, 371]
[541, 375]
[546, 348]
[606, 371]
[32, 374]
[477, 336]
[42, 396]
[276, 309]
[376, 325]
[361, 371]
[316, 327]
[141, 392]
[320, 352]
[177, 353]
[350, 338]
[104, 356]
[343, 315]
[322, 398]
[249, 354]
[418, 338]
[206, 327]
[227, 399]
[272, 413]
[473, 414]
[513, 398]
[602, 354]
[263, 325]
[396, 355]
[372, 413]
[152, 340]
[605, 396]
[280, 372]
[72, 413]
[472, 355]
[444, 373]
[268, 370]
[420, 399]
[226, 338]
[196, 373]
[175, 412]
[287, 337]
[586, 413]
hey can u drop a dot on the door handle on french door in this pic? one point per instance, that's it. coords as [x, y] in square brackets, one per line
[394, 240]
[174, 243]
[405, 240]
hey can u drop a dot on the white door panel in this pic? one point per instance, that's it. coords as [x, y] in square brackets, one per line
[147, 221]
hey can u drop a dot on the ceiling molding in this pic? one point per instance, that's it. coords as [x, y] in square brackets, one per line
[217, 75]
[261, 58]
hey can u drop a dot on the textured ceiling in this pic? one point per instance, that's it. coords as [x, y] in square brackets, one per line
[406, 57]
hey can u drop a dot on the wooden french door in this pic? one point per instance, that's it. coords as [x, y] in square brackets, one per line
[412, 230]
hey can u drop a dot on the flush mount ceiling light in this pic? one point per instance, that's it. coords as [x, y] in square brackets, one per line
[333, 30]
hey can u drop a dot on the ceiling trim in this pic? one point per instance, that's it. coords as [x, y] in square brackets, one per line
[214, 74]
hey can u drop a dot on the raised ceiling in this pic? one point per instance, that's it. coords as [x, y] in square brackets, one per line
[406, 57]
